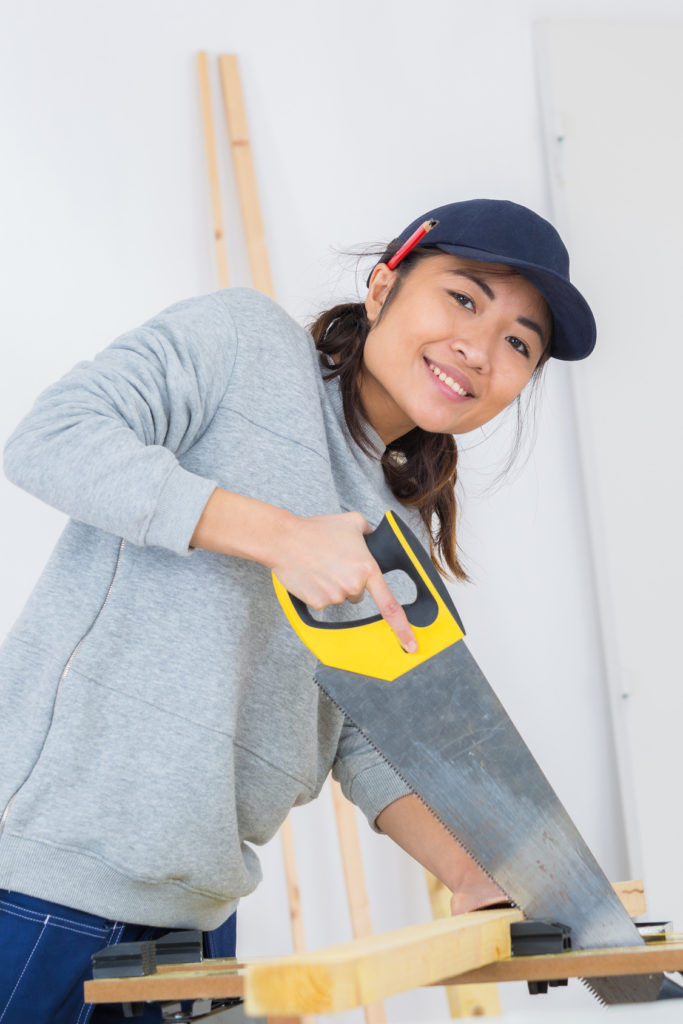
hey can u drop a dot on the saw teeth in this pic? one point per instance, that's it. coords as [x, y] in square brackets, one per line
[423, 802]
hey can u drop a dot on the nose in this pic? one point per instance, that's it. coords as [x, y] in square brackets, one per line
[474, 347]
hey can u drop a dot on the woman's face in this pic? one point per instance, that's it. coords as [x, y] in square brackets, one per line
[454, 348]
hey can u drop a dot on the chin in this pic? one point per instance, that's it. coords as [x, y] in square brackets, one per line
[441, 425]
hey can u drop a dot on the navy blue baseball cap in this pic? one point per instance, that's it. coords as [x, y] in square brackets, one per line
[499, 231]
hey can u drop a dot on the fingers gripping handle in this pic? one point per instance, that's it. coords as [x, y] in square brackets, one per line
[394, 546]
[368, 646]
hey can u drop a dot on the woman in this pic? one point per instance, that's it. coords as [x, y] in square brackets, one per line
[161, 715]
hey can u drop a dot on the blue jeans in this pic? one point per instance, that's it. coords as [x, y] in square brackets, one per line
[45, 952]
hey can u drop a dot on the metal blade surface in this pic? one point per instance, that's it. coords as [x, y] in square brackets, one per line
[444, 730]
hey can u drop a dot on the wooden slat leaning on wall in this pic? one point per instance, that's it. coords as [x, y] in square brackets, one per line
[359, 905]
[258, 257]
[212, 163]
[245, 177]
[463, 1000]
[245, 173]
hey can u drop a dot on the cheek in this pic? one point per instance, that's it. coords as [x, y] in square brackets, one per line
[374, 356]
[510, 383]
[382, 360]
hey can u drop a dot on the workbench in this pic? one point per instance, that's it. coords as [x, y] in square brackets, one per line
[470, 948]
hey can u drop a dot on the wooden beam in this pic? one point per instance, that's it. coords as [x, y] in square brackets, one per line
[368, 970]
[254, 233]
[632, 896]
[212, 163]
[463, 1000]
[292, 883]
[354, 876]
[402, 959]
[245, 174]
[345, 976]
[212, 979]
[652, 957]
[294, 897]
[435, 953]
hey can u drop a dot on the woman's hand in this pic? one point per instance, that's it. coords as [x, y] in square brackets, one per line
[322, 560]
[412, 825]
[478, 893]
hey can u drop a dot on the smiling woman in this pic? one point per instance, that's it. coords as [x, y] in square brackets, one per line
[196, 453]
[447, 340]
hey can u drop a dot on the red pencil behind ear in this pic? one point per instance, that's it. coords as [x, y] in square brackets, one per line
[411, 242]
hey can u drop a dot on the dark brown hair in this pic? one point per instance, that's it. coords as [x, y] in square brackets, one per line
[420, 467]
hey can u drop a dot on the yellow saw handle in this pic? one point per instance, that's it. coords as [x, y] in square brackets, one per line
[369, 646]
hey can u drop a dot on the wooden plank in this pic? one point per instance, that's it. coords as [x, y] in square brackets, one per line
[218, 980]
[584, 963]
[292, 882]
[354, 876]
[245, 176]
[352, 864]
[368, 970]
[463, 1000]
[244, 173]
[212, 162]
[421, 955]
[632, 896]
[293, 895]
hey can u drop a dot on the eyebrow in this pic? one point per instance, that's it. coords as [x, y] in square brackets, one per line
[533, 326]
[523, 320]
[477, 280]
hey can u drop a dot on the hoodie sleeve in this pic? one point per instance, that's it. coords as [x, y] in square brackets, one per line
[105, 444]
[364, 776]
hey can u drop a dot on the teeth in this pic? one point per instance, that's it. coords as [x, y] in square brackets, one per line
[452, 384]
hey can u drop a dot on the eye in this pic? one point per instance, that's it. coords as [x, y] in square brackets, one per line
[518, 345]
[464, 300]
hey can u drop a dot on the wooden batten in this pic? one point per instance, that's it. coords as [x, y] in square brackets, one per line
[463, 1000]
[354, 877]
[650, 958]
[212, 163]
[632, 896]
[245, 174]
[368, 970]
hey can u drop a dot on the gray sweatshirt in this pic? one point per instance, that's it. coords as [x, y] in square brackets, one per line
[159, 716]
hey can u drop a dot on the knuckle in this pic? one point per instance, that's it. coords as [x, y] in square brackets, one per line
[357, 520]
[359, 583]
[392, 606]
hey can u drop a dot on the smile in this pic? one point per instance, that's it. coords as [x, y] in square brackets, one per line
[452, 384]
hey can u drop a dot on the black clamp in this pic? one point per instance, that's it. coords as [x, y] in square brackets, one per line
[137, 959]
[531, 938]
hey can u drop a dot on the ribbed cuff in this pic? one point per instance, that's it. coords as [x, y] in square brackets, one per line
[375, 788]
[178, 509]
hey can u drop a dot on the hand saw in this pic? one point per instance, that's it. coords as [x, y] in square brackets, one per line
[436, 720]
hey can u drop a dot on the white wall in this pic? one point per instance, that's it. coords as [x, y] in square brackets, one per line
[362, 115]
[624, 109]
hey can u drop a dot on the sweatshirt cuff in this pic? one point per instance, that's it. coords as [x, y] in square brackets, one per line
[375, 788]
[178, 509]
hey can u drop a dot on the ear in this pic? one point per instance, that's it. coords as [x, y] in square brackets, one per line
[381, 283]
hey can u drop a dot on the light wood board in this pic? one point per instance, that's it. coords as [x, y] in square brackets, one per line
[468, 949]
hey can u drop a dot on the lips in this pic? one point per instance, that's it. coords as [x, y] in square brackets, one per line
[456, 381]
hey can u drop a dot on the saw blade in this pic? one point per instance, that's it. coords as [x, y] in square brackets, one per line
[462, 755]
